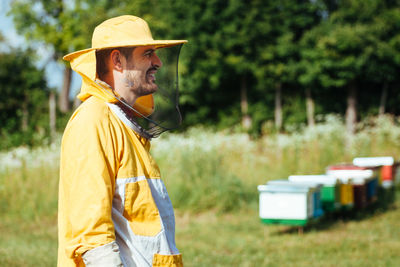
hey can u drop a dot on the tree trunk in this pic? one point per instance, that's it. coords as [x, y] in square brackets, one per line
[244, 106]
[351, 113]
[52, 115]
[63, 101]
[25, 114]
[383, 99]
[310, 108]
[278, 106]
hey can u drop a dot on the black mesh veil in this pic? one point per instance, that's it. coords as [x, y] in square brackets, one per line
[166, 115]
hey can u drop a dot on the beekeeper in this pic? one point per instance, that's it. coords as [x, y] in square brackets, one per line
[114, 209]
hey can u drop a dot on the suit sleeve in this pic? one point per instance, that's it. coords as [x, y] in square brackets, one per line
[87, 180]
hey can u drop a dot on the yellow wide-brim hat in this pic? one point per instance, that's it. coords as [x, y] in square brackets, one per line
[122, 31]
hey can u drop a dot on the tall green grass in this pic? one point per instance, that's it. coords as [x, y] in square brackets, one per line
[205, 169]
[212, 179]
[28, 213]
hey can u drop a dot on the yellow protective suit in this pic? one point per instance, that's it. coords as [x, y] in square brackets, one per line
[110, 189]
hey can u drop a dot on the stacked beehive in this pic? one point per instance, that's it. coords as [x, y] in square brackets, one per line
[304, 198]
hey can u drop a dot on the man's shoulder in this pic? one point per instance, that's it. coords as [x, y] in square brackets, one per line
[92, 112]
[88, 130]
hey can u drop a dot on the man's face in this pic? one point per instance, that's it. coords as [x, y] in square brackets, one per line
[140, 69]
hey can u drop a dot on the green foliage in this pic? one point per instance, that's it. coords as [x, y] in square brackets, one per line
[231, 43]
[23, 101]
[222, 36]
[325, 46]
[63, 26]
[349, 47]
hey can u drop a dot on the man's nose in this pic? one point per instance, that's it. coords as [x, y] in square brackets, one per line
[156, 61]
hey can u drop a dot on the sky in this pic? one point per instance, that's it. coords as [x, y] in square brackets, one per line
[53, 70]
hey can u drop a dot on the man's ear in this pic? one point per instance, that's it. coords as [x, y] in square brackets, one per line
[116, 60]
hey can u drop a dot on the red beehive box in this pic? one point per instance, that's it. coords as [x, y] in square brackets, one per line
[386, 165]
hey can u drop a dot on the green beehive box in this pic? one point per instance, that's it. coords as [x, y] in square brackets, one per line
[329, 197]
[330, 193]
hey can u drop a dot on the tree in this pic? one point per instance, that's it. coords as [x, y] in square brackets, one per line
[231, 54]
[217, 61]
[329, 49]
[62, 26]
[23, 109]
[279, 65]
[351, 49]
[384, 64]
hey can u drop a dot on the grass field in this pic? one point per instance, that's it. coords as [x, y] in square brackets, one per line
[238, 239]
[212, 178]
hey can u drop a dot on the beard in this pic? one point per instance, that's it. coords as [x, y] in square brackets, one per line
[140, 85]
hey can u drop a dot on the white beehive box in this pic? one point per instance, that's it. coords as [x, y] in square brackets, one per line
[285, 203]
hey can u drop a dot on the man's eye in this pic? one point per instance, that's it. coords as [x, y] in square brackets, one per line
[149, 54]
